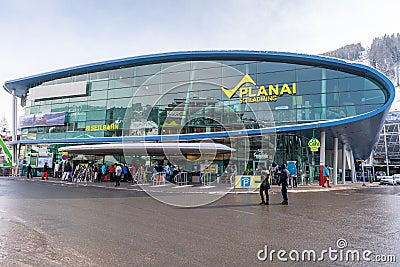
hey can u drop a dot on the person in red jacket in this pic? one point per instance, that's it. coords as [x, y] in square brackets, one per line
[45, 171]
[111, 173]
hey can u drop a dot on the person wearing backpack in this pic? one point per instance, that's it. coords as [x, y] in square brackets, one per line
[264, 187]
[284, 181]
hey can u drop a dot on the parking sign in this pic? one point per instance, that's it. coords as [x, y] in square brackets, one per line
[245, 181]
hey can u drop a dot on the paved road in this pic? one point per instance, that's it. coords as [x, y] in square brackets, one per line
[50, 224]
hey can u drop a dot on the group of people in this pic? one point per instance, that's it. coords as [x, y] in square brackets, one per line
[93, 172]
[115, 172]
[284, 181]
[266, 184]
[67, 171]
[165, 173]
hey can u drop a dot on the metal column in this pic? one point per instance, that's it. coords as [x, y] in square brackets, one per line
[386, 150]
[352, 167]
[344, 159]
[14, 128]
[335, 159]
[322, 157]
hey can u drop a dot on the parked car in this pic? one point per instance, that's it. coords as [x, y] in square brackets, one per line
[378, 175]
[390, 180]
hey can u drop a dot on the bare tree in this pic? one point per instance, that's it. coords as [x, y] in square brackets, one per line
[4, 125]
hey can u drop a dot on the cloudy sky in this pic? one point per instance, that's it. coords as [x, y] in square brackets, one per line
[46, 35]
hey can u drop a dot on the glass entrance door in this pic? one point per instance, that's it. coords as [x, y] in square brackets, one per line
[257, 166]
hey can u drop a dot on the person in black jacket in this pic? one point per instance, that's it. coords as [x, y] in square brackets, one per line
[264, 187]
[284, 181]
[29, 172]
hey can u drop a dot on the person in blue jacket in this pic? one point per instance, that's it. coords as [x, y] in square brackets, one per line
[325, 175]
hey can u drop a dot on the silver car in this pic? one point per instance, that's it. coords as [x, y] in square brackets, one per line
[390, 180]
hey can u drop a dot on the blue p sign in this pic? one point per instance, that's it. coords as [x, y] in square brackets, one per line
[245, 181]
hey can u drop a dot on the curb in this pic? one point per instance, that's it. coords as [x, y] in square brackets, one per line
[133, 187]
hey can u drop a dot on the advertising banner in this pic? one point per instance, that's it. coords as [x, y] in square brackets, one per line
[44, 119]
[43, 158]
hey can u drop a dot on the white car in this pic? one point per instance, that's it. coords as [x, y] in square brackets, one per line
[387, 180]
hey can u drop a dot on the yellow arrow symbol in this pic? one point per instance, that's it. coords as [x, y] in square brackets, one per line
[246, 79]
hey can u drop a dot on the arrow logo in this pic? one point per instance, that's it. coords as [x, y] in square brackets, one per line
[230, 92]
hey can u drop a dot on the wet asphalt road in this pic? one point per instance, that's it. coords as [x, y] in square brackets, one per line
[47, 224]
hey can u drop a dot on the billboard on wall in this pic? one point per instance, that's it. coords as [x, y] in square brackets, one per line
[43, 158]
[44, 119]
[393, 117]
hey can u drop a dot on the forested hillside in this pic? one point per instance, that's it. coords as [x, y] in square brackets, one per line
[384, 55]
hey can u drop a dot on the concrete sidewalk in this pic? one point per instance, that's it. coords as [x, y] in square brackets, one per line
[135, 187]
[318, 188]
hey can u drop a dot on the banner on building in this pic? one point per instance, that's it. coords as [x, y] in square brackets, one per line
[44, 119]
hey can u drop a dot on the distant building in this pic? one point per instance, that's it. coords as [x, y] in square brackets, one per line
[386, 155]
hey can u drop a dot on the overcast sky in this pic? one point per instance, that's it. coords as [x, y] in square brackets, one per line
[45, 35]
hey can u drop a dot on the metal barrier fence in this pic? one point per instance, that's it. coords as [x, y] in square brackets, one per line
[138, 178]
[158, 178]
[206, 179]
[83, 173]
[181, 179]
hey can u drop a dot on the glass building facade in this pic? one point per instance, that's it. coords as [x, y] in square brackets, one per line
[280, 100]
[321, 94]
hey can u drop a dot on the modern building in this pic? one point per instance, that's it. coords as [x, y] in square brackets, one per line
[266, 106]
[386, 156]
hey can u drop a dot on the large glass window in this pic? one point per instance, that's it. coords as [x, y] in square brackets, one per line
[120, 93]
[183, 90]
[96, 115]
[122, 82]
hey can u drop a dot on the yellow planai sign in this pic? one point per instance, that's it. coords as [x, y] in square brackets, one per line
[254, 94]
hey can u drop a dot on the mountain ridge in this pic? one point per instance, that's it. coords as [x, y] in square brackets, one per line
[383, 55]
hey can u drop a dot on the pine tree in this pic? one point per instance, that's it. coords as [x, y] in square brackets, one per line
[349, 52]
[384, 55]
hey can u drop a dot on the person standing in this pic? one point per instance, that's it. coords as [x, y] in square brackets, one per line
[45, 171]
[284, 181]
[111, 172]
[325, 174]
[139, 175]
[264, 187]
[171, 173]
[95, 172]
[125, 171]
[118, 173]
[70, 167]
[103, 172]
[134, 172]
[158, 170]
[63, 170]
[294, 180]
[29, 171]
[167, 172]
[56, 170]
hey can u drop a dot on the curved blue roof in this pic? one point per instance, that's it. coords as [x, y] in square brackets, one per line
[21, 85]
[352, 130]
